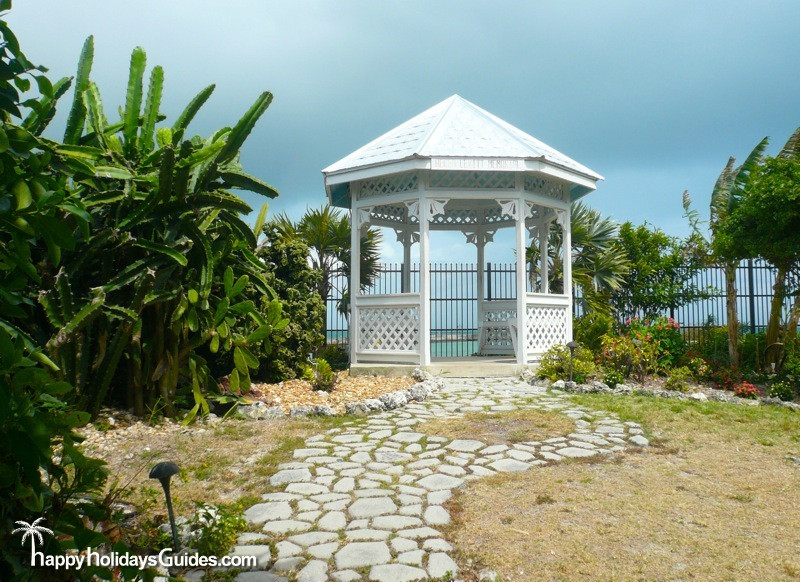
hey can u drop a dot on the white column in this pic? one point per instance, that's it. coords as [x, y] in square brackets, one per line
[522, 287]
[424, 282]
[406, 274]
[355, 278]
[567, 258]
[544, 264]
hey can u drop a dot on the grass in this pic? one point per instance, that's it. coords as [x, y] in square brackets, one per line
[227, 464]
[501, 427]
[714, 498]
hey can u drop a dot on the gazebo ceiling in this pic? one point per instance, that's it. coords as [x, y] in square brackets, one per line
[455, 136]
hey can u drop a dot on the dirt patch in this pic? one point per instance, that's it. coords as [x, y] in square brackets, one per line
[501, 428]
[347, 389]
[716, 499]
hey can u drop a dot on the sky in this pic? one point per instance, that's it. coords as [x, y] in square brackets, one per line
[655, 96]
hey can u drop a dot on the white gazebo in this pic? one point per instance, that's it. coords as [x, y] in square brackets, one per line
[458, 167]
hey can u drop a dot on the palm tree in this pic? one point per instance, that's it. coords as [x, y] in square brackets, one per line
[599, 265]
[326, 232]
[729, 189]
[33, 531]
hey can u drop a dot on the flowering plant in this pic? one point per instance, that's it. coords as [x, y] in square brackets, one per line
[746, 390]
[664, 333]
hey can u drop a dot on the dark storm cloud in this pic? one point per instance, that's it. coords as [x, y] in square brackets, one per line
[653, 95]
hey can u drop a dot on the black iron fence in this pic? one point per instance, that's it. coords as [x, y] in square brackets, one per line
[454, 300]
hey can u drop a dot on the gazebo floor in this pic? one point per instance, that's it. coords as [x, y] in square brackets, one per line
[474, 367]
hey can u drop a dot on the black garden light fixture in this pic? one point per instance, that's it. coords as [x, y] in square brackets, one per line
[164, 472]
[573, 345]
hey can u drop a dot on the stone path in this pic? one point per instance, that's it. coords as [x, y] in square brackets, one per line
[365, 501]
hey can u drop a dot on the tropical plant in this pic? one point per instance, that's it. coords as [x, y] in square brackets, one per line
[590, 329]
[661, 275]
[598, 265]
[324, 377]
[746, 390]
[557, 362]
[765, 224]
[783, 391]
[678, 379]
[289, 273]
[729, 190]
[327, 233]
[163, 267]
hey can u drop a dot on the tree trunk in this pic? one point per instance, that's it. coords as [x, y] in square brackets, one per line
[791, 325]
[773, 350]
[732, 313]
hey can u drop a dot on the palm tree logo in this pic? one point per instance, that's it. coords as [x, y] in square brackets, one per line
[33, 531]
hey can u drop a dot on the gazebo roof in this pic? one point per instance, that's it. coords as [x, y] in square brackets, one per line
[452, 131]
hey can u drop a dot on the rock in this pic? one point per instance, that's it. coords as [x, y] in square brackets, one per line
[509, 465]
[600, 386]
[420, 375]
[373, 404]
[418, 392]
[290, 476]
[284, 526]
[314, 571]
[440, 564]
[558, 384]
[320, 410]
[699, 396]
[487, 575]
[639, 441]
[436, 515]
[396, 573]
[465, 446]
[333, 521]
[436, 482]
[313, 538]
[356, 408]
[261, 553]
[371, 507]
[299, 411]
[263, 512]
[360, 554]
[575, 452]
[260, 411]
[394, 400]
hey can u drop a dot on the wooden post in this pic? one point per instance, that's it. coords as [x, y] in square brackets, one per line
[405, 282]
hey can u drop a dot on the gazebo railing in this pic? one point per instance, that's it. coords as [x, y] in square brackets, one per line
[546, 321]
[388, 327]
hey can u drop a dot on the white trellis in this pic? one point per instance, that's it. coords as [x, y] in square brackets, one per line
[457, 167]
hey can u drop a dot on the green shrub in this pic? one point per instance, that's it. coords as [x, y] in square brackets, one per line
[782, 390]
[290, 274]
[324, 378]
[555, 364]
[678, 379]
[217, 528]
[336, 355]
[629, 356]
[612, 376]
[590, 329]
[664, 333]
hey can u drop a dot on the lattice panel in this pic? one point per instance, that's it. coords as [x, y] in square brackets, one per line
[547, 326]
[457, 216]
[474, 180]
[388, 329]
[497, 336]
[391, 213]
[495, 215]
[402, 182]
[539, 185]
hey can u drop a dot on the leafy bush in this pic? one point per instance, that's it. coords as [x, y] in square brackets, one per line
[726, 378]
[664, 334]
[290, 274]
[782, 390]
[590, 329]
[678, 379]
[628, 356]
[555, 364]
[324, 378]
[216, 528]
[713, 348]
[612, 376]
[746, 390]
[336, 355]
[700, 369]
